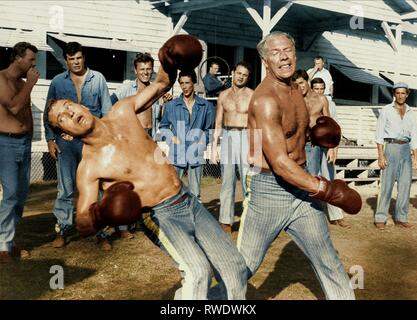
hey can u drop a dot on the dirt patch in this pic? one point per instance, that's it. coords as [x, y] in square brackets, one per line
[137, 269]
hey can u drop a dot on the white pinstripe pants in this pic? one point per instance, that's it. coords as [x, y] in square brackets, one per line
[272, 205]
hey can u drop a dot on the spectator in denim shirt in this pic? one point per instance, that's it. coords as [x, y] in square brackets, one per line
[185, 126]
[89, 88]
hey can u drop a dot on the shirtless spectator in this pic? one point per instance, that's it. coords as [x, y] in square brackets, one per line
[317, 106]
[120, 158]
[329, 158]
[16, 128]
[231, 124]
[283, 196]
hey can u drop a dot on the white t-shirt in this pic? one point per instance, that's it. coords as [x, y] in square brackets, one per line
[326, 76]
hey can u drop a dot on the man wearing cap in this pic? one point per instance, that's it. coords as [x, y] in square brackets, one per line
[396, 138]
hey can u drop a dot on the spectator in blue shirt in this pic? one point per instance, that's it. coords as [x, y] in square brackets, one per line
[185, 126]
[212, 84]
[89, 88]
[143, 66]
[396, 138]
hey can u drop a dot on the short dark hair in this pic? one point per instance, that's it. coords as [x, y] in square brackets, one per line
[317, 80]
[48, 109]
[188, 73]
[319, 58]
[72, 48]
[245, 65]
[214, 62]
[143, 57]
[19, 50]
[300, 73]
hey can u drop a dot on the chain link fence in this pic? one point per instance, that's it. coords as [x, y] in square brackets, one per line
[44, 168]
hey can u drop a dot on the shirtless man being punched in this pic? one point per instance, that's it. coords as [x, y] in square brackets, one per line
[231, 123]
[121, 159]
[317, 106]
[283, 196]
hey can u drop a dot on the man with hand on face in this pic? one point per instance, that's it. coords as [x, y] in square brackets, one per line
[283, 196]
[186, 125]
[16, 128]
[82, 85]
[231, 123]
[120, 158]
[319, 71]
[396, 139]
[212, 84]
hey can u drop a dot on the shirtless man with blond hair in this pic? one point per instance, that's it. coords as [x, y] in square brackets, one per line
[283, 196]
[121, 159]
[16, 128]
[231, 123]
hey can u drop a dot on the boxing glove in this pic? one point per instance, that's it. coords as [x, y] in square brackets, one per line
[180, 52]
[326, 133]
[338, 194]
[120, 205]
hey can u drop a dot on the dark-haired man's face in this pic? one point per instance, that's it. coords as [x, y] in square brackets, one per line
[302, 85]
[214, 69]
[27, 61]
[76, 63]
[319, 88]
[144, 71]
[187, 86]
[240, 76]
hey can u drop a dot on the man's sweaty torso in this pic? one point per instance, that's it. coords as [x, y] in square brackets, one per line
[129, 155]
[235, 107]
[294, 121]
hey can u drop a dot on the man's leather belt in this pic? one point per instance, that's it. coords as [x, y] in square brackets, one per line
[390, 140]
[234, 128]
[13, 135]
[180, 199]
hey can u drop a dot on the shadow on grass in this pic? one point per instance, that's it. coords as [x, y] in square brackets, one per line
[30, 279]
[34, 231]
[291, 267]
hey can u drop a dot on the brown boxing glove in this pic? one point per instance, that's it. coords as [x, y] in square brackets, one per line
[183, 52]
[338, 194]
[326, 133]
[120, 205]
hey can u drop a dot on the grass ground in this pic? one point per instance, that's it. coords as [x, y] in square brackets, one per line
[137, 269]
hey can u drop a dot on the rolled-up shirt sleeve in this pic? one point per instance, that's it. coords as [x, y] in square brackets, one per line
[380, 126]
[413, 141]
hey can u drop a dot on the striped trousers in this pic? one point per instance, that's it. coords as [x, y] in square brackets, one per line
[272, 205]
[193, 238]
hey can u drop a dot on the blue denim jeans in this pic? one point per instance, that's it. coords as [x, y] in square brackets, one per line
[329, 172]
[197, 244]
[68, 160]
[313, 155]
[194, 178]
[234, 152]
[272, 205]
[399, 169]
[15, 155]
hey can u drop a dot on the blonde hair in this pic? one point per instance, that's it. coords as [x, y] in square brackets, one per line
[261, 45]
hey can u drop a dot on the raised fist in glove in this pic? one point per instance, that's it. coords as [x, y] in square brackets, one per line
[326, 133]
[120, 205]
[338, 194]
[180, 52]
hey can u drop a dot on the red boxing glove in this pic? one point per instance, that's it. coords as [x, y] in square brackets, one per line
[180, 52]
[326, 133]
[120, 206]
[338, 194]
